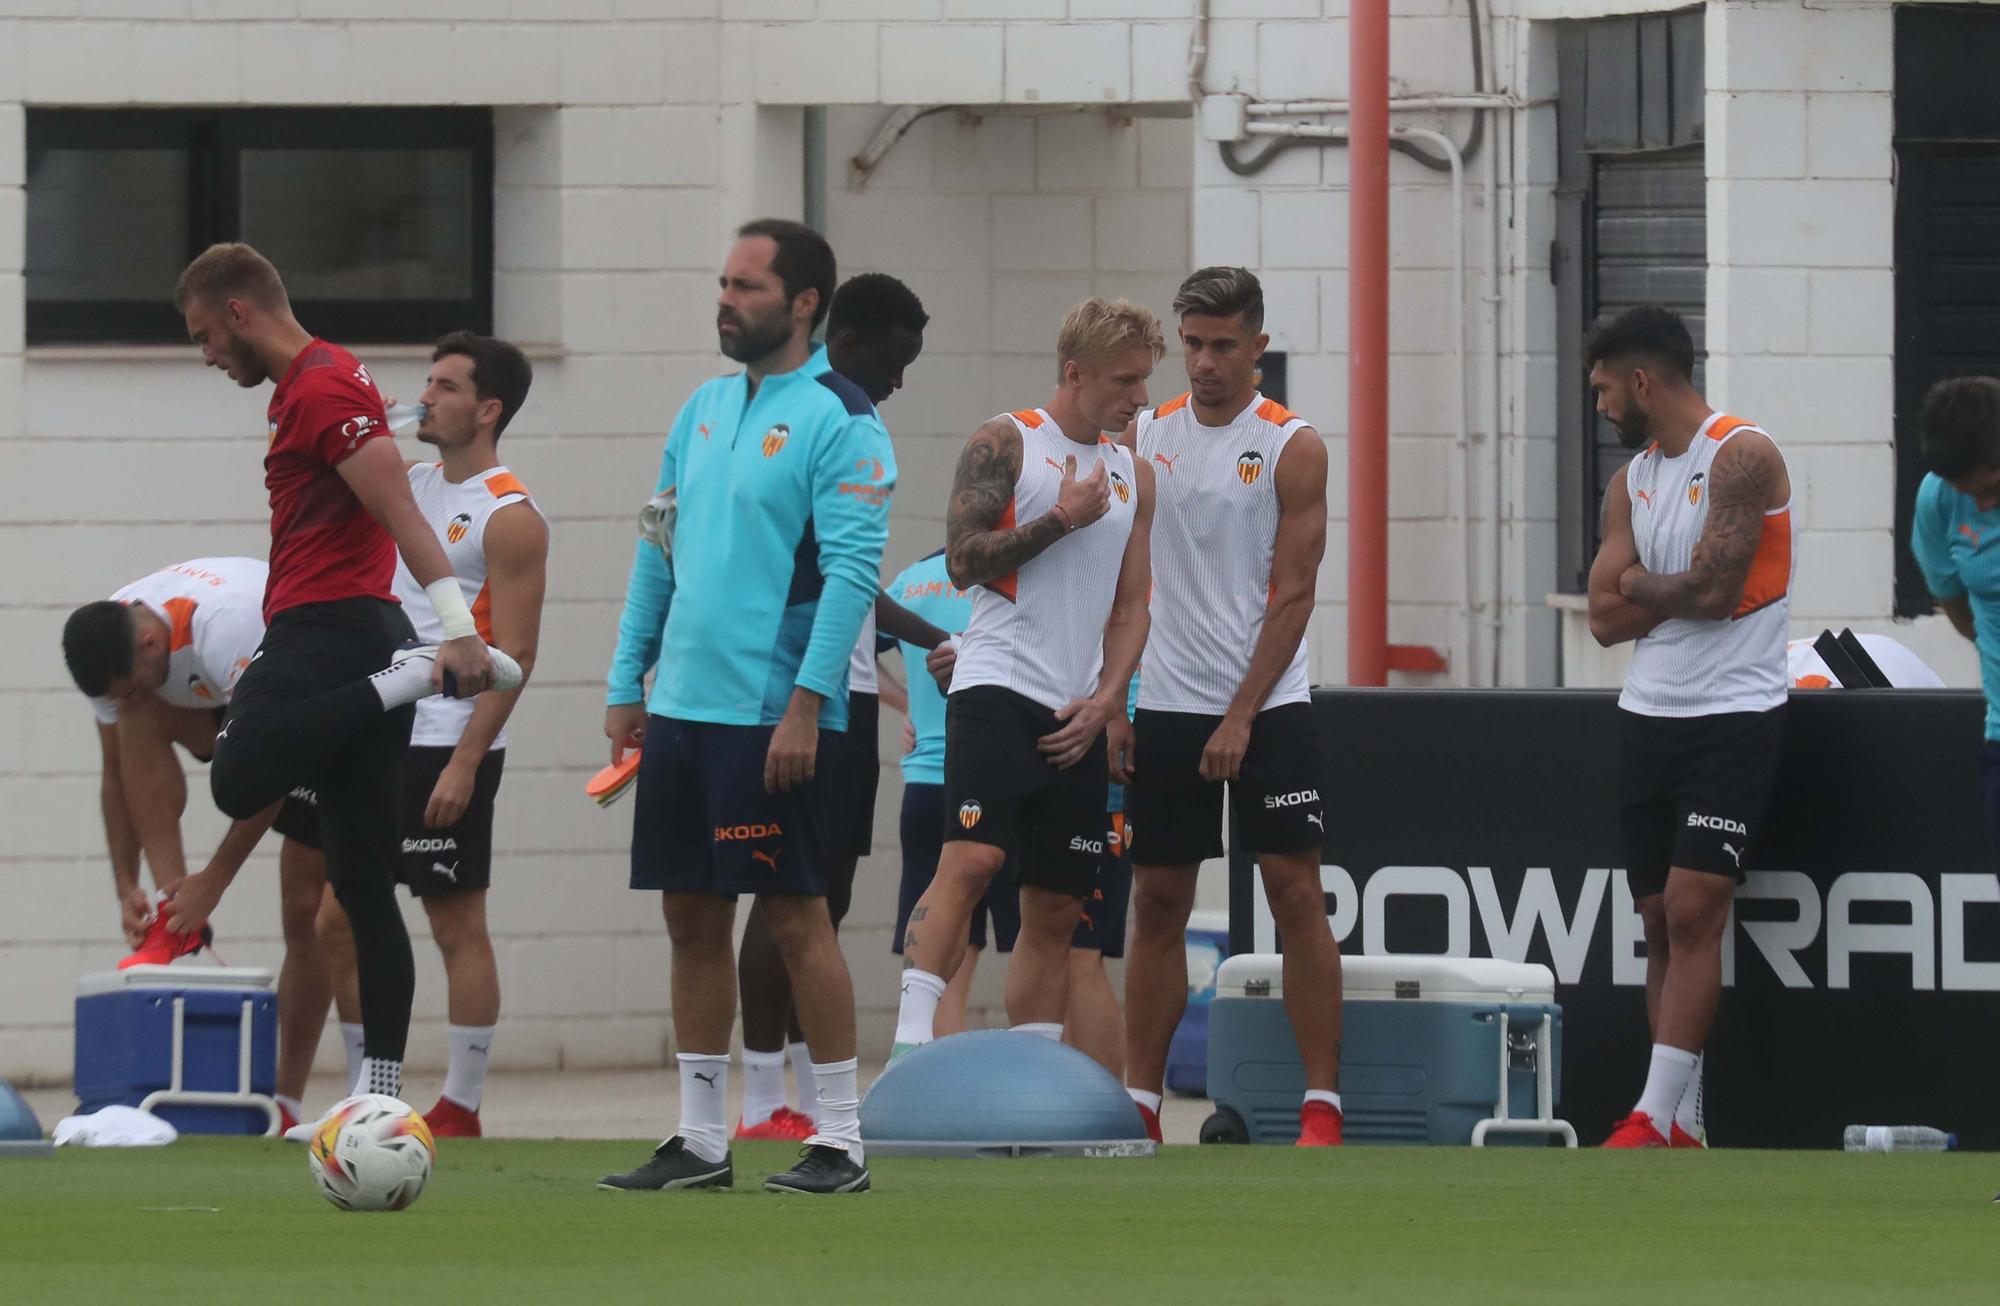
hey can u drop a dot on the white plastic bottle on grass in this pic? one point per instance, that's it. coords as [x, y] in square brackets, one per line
[1898, 1138]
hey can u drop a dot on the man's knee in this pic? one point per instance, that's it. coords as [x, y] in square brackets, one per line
[798, 923]
[1697, 916]
[1162, 901]
[965, 869]
[1050, 916]
[458, 924]
[1653, 919]
[696, 920]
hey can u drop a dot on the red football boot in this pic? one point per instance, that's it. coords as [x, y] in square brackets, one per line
[1152, 1119]
[785, 1125]
[1636, 1130]
[1682, 1138]
[1319, 1125]
[161, 945]
[450, 1120]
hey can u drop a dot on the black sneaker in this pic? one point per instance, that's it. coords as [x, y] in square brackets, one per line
[821, 1170]
[673, 1166]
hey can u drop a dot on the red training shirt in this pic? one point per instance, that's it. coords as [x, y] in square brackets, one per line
[324, 545]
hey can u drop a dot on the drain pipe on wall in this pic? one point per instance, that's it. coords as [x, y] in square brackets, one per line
[1368, 343]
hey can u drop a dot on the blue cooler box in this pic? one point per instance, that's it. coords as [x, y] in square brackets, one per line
[1443, 1051]
[195, 1045]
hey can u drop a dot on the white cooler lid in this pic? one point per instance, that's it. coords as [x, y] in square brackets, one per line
[1385, 979]
[173, 977]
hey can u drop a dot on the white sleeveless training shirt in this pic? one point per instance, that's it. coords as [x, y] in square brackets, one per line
[1040, 630]
[1686, 667]
[1215, 527]
[214, 610]
[458, 513]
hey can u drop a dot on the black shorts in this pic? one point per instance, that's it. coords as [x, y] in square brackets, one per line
[459, 858]
[1102, 928]
[703, 823]
[996, 918]
[857, 775]
[1000, 790]
[298, 817]
[1989, 784]
[1693, 790]
[1177, 815]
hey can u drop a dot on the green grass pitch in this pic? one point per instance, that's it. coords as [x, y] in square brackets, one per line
[221, 1221]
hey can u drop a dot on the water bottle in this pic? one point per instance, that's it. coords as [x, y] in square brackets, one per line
[1897, 1138]
[404, 419]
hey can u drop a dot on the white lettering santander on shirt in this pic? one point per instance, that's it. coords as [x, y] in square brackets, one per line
[458, 513]
[1040, 630]
[1215, 531]
[214, 610]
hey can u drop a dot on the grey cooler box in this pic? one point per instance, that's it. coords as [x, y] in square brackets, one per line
[1444, 1051]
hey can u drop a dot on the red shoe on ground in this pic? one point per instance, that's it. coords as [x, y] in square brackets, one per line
[286, 1120]
[1152, 1119]
[1636, 1130]
[785, 1125]
[1319, 1125]
[450, 1120]
[1682, 1138]
[161, 945]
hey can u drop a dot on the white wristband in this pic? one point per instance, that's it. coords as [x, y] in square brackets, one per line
[449, 602]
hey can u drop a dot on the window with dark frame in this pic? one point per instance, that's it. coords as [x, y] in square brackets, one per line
[380, 220]
[1631, 228]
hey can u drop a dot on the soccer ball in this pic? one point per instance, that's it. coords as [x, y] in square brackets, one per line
[371, 1153]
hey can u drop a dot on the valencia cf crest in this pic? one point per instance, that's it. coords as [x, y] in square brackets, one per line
[774, 439]
[456, 528]
[1121, 487]
[1694, 489]
[969, 814]
[1249, 466]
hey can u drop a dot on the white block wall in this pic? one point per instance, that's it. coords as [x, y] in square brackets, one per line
[632, 136]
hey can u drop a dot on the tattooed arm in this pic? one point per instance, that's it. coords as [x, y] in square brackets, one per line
[1746, 480]
[978, 550]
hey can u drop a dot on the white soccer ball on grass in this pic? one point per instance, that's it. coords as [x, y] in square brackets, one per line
[372, 1153]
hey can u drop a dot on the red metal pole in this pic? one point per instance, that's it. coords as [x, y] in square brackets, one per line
[1368, 343]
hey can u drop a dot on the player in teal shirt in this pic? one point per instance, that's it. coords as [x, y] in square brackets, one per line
[781, 477]
[1955, 536]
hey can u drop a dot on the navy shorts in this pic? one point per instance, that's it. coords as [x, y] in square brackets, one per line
[1102, 928]
[997, 915]
[703, 823]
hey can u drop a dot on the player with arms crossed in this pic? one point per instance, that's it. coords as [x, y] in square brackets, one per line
[781, 476]
[326, 699]
[160, 660]
[1225, 698]
[497, 543]
[1696, 566]
[1049, 518]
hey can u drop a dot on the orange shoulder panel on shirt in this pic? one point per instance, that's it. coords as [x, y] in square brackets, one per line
[1725, 425]
[1275, 413]
[1171, 407]
[506, 483]
[180, 615]
[1007, 587]
[1029, 418]
[1771, 568]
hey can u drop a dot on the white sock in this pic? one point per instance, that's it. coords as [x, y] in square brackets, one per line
[802, 1080]
[838, 1086]
[465, 1071]
[350, 1036]
[380, 1075]
[922, 991]
[1665, 1083]
[1692, 1113]
[1151, 1101]
[1045, 1029]
[705, 1104]
[291, 1104]
[763, 1085]
[404, 682]
[1323, 1095]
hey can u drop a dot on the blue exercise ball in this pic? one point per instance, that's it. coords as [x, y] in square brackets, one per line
[998, 1086]
[17, 1121]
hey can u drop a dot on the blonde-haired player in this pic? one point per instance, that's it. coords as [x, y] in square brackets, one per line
[1048, 520]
